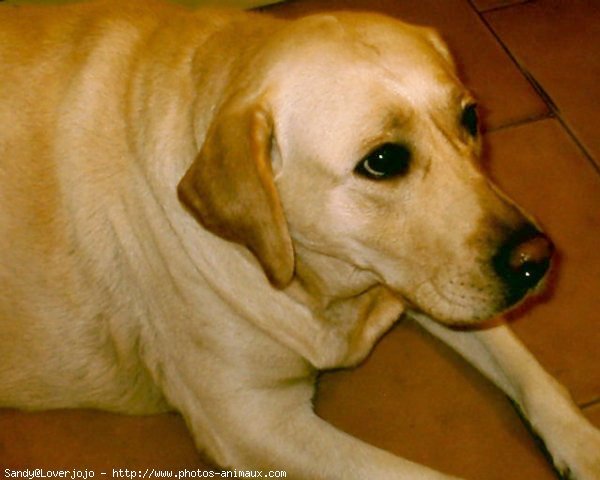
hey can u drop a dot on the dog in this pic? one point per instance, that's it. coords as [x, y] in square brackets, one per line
[199, 210]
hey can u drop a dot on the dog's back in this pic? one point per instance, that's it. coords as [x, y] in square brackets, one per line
[67, 74]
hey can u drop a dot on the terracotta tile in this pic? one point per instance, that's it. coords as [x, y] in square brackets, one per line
[544, 171]
[593, 414]
[558, 43]
[418, 399]
[506, 97]
[96, 441]
[484, 5]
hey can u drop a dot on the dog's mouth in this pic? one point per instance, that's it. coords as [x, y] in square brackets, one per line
[456, 306]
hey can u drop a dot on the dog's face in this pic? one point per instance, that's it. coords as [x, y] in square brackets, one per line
[374, 146]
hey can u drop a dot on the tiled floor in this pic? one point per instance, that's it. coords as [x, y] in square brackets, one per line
[534, 66]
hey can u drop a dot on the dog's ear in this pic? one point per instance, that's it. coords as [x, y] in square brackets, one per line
[231, 191]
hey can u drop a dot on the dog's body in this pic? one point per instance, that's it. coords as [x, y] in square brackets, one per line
[114, 296]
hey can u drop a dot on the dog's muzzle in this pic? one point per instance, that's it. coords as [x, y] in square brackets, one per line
[522, 261]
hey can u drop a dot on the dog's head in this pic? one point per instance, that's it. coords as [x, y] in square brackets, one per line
[353, 138]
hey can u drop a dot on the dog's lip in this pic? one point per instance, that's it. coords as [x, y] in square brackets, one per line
[468, 320]
[411, 306]
[477, 323]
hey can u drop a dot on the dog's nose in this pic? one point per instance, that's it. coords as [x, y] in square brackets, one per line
[522, 261]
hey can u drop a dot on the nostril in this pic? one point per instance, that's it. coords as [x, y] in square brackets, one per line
[522, 261]
[534, 251]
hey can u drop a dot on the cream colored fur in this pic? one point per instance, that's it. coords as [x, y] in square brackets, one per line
[181, 225]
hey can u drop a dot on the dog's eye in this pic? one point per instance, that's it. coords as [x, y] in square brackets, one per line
[469, 119]
[388, 160]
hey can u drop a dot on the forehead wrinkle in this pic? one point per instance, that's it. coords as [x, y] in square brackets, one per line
[435, 89]
[408, 108]
[438, 105]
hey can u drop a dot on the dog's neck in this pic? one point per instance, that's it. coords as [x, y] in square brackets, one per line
[348, 302]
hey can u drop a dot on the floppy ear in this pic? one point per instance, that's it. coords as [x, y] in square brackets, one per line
[230, 189]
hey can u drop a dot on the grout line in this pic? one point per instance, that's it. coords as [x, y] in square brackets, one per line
[501, 7]
[558, 115]
[546, 98]
[595, 165]
[537, 86]
[521, 121]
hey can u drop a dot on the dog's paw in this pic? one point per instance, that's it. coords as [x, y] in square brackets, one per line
[579, 457]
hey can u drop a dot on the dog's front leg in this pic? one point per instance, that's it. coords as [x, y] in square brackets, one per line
[275, 428]
[571, 440]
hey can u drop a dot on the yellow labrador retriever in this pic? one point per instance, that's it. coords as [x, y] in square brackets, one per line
[200, 210]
